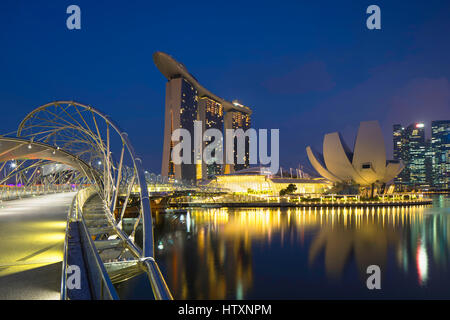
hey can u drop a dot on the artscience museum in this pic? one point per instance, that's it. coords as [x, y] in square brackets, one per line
[365, 165]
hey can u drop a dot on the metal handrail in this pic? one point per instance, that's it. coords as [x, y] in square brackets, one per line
[159, 287]
[106, 288]
[66, 251]
[14, 192]
[102, 287]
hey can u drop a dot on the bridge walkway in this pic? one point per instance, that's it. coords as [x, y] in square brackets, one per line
[32, 232]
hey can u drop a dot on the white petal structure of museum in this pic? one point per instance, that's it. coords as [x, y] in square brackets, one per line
[365, 165]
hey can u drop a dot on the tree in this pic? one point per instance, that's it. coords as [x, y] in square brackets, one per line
[344, 188]
[291, 188]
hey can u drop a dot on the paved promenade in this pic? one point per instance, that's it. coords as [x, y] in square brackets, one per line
[32, 232]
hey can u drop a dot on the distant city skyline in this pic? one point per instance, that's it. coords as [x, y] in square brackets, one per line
[304, 68]
[427, 160]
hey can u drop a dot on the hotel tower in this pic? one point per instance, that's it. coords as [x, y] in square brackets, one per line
[187, 101]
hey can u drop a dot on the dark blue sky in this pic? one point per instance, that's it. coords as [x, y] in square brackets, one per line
[305, 67]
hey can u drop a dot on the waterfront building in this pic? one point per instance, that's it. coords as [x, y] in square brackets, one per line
[187, 101]
[365, 165]
[260, 180]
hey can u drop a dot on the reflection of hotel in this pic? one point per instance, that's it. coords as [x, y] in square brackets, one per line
[200, 265]
[187, 101]
[216, 253]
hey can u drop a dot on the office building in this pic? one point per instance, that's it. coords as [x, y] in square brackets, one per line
[440, 144]
[415, 155]
[399, 139]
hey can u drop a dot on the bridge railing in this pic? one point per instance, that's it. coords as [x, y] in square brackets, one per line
[70, 218]
[99, 281]
[159, 287]
[19, 192]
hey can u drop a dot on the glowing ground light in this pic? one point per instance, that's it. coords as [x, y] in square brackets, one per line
[422, 263]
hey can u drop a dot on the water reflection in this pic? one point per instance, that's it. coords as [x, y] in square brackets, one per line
[221, 253]
[201, 261]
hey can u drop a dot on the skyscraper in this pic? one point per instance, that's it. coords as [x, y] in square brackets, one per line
[399, 139]
[416, 154]
[186, 102]
[440, 144]
[429, 163]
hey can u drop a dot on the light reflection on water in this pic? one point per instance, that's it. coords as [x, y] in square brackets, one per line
[305, 253]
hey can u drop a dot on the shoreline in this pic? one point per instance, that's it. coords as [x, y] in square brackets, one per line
[299, 205]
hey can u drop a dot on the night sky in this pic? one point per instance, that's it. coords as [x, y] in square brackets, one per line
[305, 67]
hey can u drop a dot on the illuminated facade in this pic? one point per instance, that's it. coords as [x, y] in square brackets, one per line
[399, 141]
[257, 180]
[187, 101]
[365, 165]
[416, 154]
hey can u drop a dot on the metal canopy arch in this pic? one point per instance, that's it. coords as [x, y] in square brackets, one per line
[15, 149]
[68, 124]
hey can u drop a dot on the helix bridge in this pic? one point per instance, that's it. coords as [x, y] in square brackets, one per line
[66, 146]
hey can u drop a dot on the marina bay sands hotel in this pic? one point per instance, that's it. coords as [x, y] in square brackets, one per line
[187, 101]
